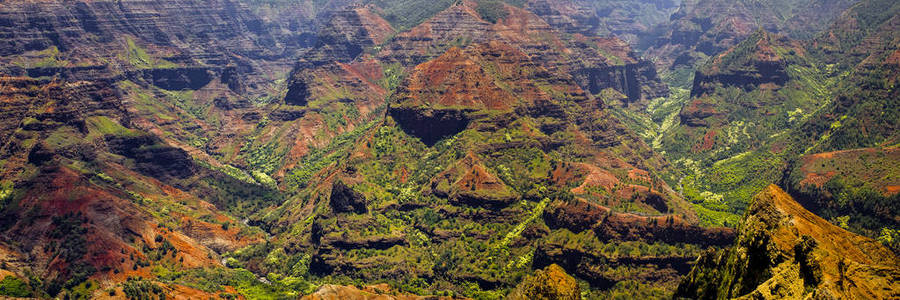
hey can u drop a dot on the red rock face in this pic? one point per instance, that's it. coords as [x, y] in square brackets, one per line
[778, 236]
[458, 79]
[459, 23]
[579, 214]
[753, 64]
[459, 86]
[596, 63]
[469, 182]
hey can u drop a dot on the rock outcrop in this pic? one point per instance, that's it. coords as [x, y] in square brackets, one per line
[596, 63]
[469, 182]
[345, 199]
[761, 59]
[579, 215]
[550, 283]
[785, 251]
[442, 96]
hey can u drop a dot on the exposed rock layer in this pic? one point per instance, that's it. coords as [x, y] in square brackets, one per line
[784, 251]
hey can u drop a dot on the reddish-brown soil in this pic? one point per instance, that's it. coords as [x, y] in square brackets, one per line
[579, 214]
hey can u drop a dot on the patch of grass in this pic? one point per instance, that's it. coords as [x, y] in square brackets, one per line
[50, 59]
[63, 137]
[139, 58]
[102, 125]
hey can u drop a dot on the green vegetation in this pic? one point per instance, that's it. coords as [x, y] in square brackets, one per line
[405, 14]
[491, 10]
[320, 158]
[855, 194]
[47, 58]
[147, 104]
[890, 238]
[743, 147]
[12, 286]
[213, 280]
[630, 289]
[102, 125]
[136, 288]
[84, 290]
[240, 197]
[393, 75]
[6, 193]
[138, 57]
[70, 246]
[588, 242]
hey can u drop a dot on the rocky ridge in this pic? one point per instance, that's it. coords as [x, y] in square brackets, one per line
[784, 251]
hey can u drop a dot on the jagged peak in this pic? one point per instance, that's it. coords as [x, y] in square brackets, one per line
[786, 251]
[775, 207]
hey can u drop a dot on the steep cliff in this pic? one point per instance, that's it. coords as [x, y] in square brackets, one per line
[784, 251]
[760, 59]
[468, 86]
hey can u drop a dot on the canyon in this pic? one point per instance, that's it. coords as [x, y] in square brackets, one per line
[486, 149]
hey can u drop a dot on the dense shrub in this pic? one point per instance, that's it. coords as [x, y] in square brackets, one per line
[14, 287]
[141, 289]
